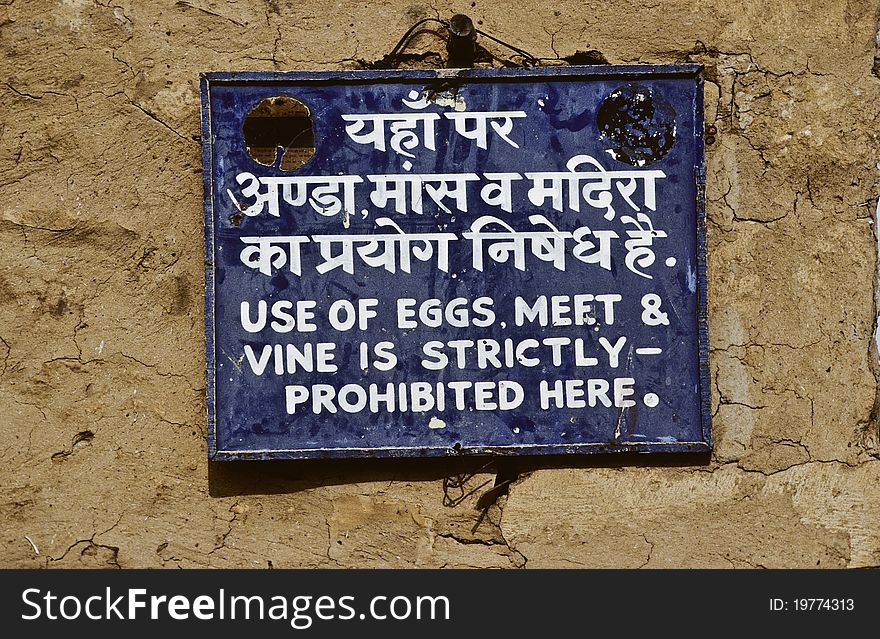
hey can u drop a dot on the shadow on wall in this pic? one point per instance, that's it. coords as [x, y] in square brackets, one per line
[270, 477]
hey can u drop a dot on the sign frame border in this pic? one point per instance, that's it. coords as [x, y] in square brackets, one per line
[622, 72]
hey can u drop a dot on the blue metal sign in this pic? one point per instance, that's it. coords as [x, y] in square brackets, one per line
[451, 262]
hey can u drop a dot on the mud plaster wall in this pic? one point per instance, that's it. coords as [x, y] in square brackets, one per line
[103, 454]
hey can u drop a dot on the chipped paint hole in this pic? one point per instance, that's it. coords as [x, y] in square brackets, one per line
[637, 123]
[278, 132]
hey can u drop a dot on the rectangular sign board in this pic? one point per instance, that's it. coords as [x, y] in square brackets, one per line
[480, 261]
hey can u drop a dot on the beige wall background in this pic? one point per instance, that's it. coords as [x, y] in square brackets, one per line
[102, 414]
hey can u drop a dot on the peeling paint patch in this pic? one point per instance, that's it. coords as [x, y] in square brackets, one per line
[639, 123]
[692, 278]
[449, 99]
[436, 423]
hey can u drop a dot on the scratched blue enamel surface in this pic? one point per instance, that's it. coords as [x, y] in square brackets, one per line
[246, 412]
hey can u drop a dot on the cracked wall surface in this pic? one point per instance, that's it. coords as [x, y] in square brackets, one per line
[103, 457]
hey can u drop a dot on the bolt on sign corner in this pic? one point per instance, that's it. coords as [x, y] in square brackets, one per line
[474, 261]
